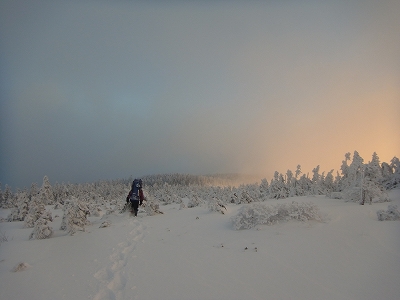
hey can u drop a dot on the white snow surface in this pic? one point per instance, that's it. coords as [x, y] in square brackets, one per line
[193, 253]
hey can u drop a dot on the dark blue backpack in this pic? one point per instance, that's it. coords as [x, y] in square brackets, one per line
[136, 186]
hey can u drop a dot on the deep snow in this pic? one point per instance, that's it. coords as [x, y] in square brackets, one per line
[193, 253]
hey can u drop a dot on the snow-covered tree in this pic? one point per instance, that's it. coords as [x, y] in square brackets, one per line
[277, 188]
[264, 189]
[33, 192]
[328, 184]
[46, 192]
[7, 197]
[298, 171]
[42, 229]
[75, 216]
[395, 178]
[1, 197]
[290, 183]
[316, 182]
[372, 182]
[21, 208]
[37, 210]
[216, 205]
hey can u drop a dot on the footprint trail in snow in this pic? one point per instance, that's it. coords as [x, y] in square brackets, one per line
[114, 276]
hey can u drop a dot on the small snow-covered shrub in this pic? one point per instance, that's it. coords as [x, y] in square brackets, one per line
[352, 194]
[35, 213]
[95, 210]
[255, 214]
[336, 195]
[391, 214]
[216, 205]
[194, 201]
[42, 229]
[151, 208]
[75, 216]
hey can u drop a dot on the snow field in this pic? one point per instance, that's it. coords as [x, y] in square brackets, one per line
[193, 253]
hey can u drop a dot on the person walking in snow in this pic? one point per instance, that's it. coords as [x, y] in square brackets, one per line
[135, 196]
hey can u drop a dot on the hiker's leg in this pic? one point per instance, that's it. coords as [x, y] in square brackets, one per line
[135, 206]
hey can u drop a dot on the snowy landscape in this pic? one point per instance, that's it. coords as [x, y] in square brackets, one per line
[296, 236]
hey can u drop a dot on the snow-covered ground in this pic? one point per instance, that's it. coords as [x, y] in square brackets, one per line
[193, 253]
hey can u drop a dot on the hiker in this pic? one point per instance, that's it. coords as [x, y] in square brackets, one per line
[135, 196]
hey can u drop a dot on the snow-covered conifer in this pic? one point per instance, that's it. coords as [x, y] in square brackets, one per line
[8, 201]
[316, 188]
[46, 192]
[277, 188]
[395, 178]
[264, 189]
[42, 229]
[328, 184]
[33, 192]
[20, 210]
[75, 216]
[1, 197]
[216, 205]
[194, 201]
[372, 182]
[37, 210]
[298, 171]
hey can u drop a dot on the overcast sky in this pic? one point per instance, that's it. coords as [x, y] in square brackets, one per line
[94, 90]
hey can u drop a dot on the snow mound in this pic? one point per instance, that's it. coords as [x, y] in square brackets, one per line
[255, 214]
[391, 214]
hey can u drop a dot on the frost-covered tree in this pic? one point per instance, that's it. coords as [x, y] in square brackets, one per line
[395, 178]
[298, 171]
[21, 208]
[1, 197]
[345, 172]
[75, 216]
[290, 183]
[8, 197]
[33, 192]
[277, 188]
[303, 186]
[42, 229]
[37, 210]
[372, 182]
[328, 184]
[216, 205]
[264, 189]
[387, 173]
[316, 188]
[46, 192]
[355, 170]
